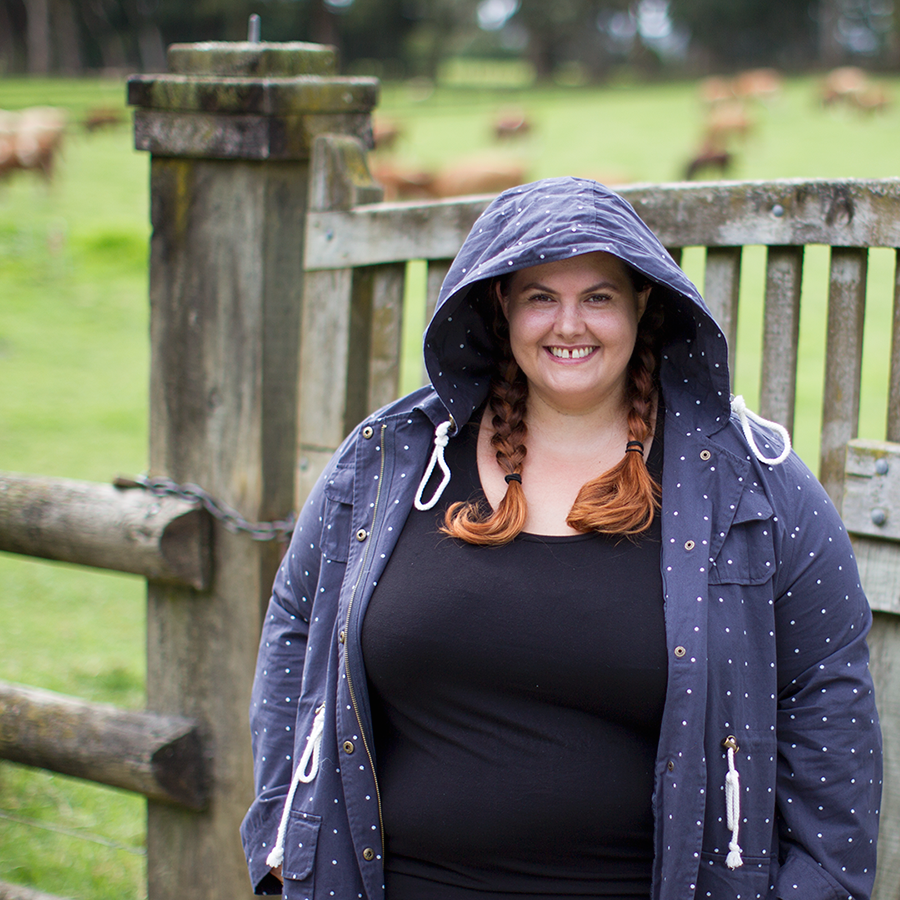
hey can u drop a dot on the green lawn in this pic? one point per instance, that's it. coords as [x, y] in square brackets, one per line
[74, 357]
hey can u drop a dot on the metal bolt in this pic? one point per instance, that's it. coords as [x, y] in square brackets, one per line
[879, 516]
[778, 210]
[253, 29]
[881, 466]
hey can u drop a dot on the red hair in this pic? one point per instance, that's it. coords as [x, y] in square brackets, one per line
[623, 500]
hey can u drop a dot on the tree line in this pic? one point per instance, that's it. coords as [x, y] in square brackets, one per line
[406, 38]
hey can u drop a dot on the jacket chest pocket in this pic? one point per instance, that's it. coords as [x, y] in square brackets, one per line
[337, 516]
[745, 552]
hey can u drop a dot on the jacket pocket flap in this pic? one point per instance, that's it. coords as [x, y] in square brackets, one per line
[753, 506]
[300, 839]
[339, 487]
[746, 554]
[338, 491]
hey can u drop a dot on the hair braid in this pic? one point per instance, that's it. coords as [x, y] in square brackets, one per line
[508, 401]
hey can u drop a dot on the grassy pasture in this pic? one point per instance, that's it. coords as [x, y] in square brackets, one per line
[74, 356]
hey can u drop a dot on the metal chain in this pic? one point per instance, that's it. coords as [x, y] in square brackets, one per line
[231, 519]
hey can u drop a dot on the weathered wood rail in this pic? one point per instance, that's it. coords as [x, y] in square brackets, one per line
[161, 757]
[261, 196]
[164, 539]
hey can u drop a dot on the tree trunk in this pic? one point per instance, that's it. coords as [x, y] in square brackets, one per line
[66, 38]
[830, 51]
[38, 36]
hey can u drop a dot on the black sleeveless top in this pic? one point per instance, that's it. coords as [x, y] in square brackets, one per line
[517, 694]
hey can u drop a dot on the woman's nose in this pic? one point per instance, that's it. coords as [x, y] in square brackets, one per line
[569, 320]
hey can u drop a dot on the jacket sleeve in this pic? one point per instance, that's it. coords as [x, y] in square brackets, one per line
[277, 686]
[829, 744]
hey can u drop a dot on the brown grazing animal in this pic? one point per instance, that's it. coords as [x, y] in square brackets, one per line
[511, 123]
[706, 161]
[31, 139]
[102, 117]
[468, 176]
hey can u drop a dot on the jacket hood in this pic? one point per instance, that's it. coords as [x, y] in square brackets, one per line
[546, 221]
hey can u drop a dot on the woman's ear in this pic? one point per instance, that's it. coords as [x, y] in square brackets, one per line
[642, 297]
[501, 298]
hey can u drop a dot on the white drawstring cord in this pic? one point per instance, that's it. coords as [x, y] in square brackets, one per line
[305, 772]
[733, 808]
[441, 439]
[739, 407]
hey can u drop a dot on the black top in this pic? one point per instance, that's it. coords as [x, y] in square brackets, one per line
[517, 694]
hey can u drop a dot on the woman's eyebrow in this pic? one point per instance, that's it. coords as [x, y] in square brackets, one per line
[600, 285]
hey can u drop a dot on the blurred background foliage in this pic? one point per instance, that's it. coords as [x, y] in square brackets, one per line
[583, 39]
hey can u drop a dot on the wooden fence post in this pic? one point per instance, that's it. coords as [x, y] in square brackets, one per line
[229, 129]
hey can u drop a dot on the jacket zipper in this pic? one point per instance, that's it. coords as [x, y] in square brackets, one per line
[350, 687]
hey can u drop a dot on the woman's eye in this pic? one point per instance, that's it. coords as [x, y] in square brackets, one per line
[540, 298]
[599, 298]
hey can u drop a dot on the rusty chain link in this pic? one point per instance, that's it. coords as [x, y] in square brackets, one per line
[231, 519]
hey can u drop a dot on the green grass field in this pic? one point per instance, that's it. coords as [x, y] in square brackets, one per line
[74, 358]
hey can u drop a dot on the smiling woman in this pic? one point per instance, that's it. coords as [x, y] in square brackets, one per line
[582, 651]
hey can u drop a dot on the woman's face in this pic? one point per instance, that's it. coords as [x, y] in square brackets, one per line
[572, 328]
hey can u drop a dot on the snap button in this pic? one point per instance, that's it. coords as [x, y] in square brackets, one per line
[368, 431]
[348, 747]
[688, 545]
[368, 854]
[362, 534]
[705, 455]
[670, 766]
[680, 651]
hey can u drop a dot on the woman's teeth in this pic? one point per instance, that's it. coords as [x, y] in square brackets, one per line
[564, 353]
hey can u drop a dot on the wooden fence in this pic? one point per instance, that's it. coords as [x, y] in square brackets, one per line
[261, 196]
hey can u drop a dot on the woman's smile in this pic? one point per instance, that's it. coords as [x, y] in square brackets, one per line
[571, 352]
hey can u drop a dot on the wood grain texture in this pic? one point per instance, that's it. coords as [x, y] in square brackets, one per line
[781, 333]
[852, 213]
[226, 289]
[843, 364]
[161, 757]
[165, 539]
[884, 639]
[722, 290]
[893, 417]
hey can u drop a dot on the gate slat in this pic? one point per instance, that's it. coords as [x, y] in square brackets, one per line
[893, 415]
[778, 381]
[387, 334]
[324, 388]
[721, 291]
[840, 408]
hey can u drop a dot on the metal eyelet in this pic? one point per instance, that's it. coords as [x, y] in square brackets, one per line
[368, 432]
[705, 455]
